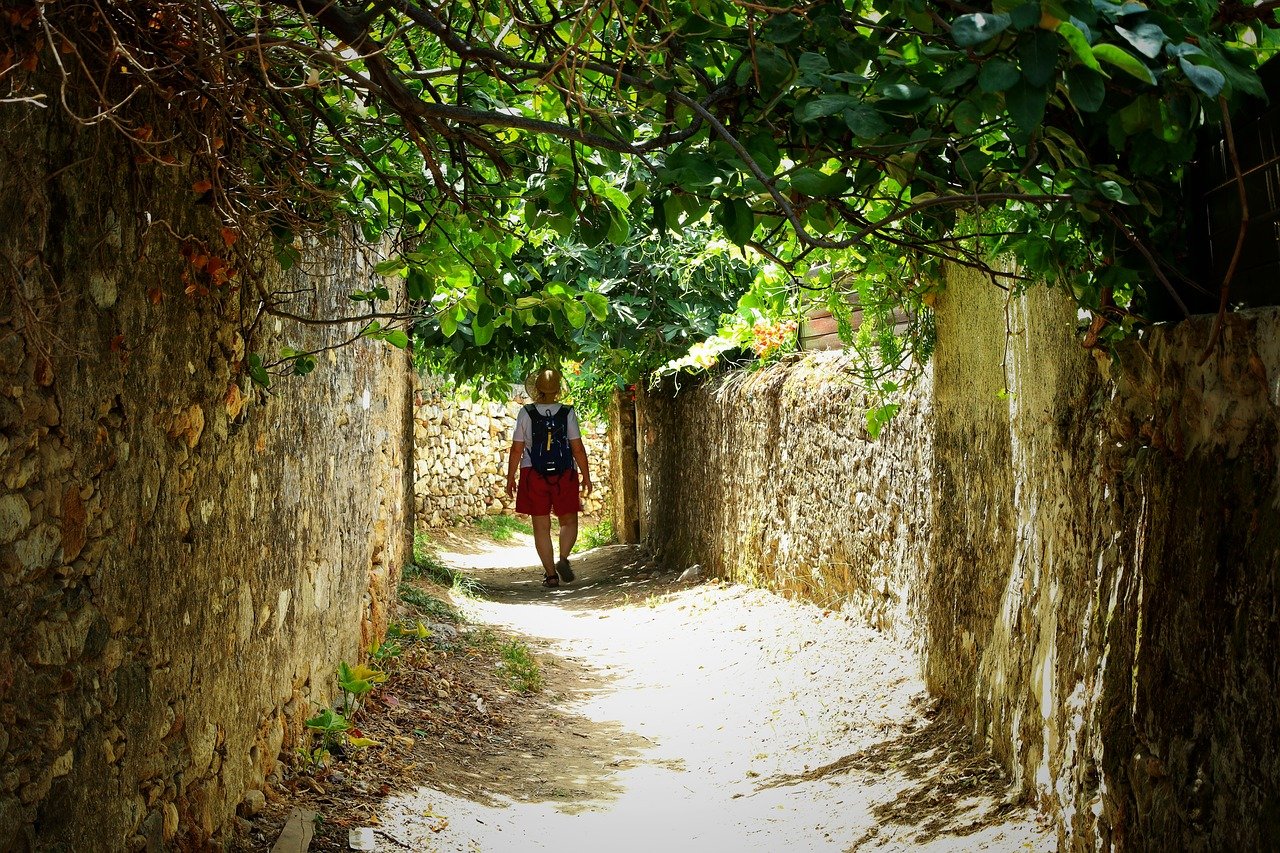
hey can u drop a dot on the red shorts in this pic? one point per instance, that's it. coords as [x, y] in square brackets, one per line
[538, 494]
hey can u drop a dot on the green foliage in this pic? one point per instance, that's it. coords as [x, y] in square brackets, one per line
[501, 528]
[596, 535]
[551, 177]
[609, 315]
[521, 667]
[357, 682]
[429, 605]
[385, 654]
[427, 564]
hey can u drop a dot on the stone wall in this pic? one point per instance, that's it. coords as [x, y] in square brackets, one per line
[769, 478]
[460, 467]
[1104, 569]
[184, 559]
[1087, 552]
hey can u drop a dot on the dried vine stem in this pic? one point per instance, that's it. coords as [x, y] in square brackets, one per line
[1224, 291]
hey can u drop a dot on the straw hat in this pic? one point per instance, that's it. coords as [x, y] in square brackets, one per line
[544, 386]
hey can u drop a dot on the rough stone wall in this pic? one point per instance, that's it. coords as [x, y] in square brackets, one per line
[1087, 551]
[183, 559]
[1105, 564]
[768, 478]
[460, 466]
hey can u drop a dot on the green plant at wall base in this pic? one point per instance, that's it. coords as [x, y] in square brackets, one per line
[428, 565]
[441, 611]
[501, 528]
[596, 535]
[314, 759]
[385, 654]
[521, 667]
[417, 631]
[356, 683]
[331, 726]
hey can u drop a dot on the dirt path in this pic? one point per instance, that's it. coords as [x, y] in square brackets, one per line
[683, 717]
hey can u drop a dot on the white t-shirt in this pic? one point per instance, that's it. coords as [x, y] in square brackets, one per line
[524, 429]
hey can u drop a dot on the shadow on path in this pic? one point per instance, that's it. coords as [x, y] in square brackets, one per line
[947, 782]
[607, 577]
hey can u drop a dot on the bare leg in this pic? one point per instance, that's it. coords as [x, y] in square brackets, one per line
[542, 542]
[568, 533]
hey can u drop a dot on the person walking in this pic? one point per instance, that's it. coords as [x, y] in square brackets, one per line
[547, 450]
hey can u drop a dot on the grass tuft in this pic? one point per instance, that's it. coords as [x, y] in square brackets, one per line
[596, 535]
[501, 528]
[428, 565]
[429, 605]
[521, 667]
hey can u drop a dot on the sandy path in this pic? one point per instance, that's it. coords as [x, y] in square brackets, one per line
[713, 718]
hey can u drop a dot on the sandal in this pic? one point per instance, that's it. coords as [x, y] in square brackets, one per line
[551, 580]
[564, 571]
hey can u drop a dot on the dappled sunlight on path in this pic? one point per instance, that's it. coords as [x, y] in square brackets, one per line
[713, 718]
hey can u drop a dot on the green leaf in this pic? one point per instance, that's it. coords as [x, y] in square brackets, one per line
[390, 266]
[824, 105]
[1023, 16]
[576, 314]
[257, 372]
[1126, 62]
[598, 305]
[397, 338]
[1240, 77]
[1026, 105]
[967, 117]
[971, 164]
[1079, 44]
[998, 75]
[737, 220]
[418, 285]
[957, 77]
[775, 71]
[814, 63]
[448, 323]
[903, 92]
[1111, 190]
[1038, 54]
[1206, 78]
[1086, 89]
[818, 184]
[865, 122]
[972, 30]
[878, 418]
[482, 333]
[1146, 38]
[619, 227]
[783, 29]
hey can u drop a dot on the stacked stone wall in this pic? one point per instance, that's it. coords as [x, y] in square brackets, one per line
[770, 478]
[1085, 549]
[462, 446]
[184, 558]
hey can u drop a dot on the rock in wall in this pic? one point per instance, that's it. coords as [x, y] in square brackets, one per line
[769, 478]
[184, 559]
[460, 466]
[1087, 550]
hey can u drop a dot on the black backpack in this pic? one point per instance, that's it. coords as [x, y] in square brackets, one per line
[549, 449]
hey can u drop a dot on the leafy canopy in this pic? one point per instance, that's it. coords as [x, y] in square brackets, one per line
[544, 169]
